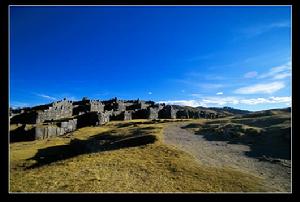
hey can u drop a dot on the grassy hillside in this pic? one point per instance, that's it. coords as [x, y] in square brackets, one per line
[118, 157]
[268, 132]
[229, 110]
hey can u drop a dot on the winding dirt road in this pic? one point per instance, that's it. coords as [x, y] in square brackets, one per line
[221, 154]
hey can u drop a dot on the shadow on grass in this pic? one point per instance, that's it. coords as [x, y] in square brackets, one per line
[97, 143]
[153, 121]
[21, 135]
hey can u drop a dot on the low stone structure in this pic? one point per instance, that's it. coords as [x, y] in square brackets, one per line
[168, 112]
[54, 130]
[86, 105]
[125, 115]
[39, 114]
[153, 113]
[93, 119]
[182, 114]
[115, 105]
[58, 110]
[61, 117]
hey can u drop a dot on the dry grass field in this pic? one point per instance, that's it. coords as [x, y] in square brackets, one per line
[118, 157]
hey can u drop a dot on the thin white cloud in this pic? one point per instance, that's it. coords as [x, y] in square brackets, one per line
[46, 96]
[250, 74]
[197, 95]
[17, 104]
[192, 103]
[203, 76]
[279, 72]
[282, 76]
[261, 29]
[210, 86]
[150, 93]
[219, 93]
[221, 101]
[263, 88]
[270, 100]
[217, 101]
[71, 98]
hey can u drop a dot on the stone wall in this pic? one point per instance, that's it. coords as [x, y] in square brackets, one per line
[125, 115]
[96, 106]
[168, 112]
[149, 113]
[87, 119]
[182, 114]
[103, 117]
[93, 119]
[51, 130]
[140, 114]
[58, 110]
[153, 113]
[115, 105]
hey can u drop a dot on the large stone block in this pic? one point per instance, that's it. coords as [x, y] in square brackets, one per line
[64, 124]
[51, 131]
[39, 133]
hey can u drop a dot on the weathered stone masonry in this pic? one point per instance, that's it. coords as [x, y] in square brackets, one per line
[61, 117]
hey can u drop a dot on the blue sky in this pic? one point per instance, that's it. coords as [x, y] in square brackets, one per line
[193, 55]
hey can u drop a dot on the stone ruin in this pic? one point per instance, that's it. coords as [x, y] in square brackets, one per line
[53, 130]
[85, 105]
[65, 116]
[58, 110]
[39, 114]
[168, 112]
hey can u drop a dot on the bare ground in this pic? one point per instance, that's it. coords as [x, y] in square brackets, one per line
[277, 176]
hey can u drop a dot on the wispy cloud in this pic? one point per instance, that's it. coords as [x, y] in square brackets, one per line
[203, 76]
[192, 103]
[217, 101]
[270, 100]
[17, 104]
[278, 72]
[71, 98]
[150, 93]
[196, 95]
[219, 93]
[250, 74]
[282, 75]
[210, 85]
[214, 77]
[261, 29]
[263, 88]
[46, 96]
[197, 84]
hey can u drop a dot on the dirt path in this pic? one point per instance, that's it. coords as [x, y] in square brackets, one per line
[222, 154]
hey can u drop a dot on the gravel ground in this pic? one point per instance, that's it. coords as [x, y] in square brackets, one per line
[276, 175]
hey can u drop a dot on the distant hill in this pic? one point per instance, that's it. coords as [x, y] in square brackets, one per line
[230, 111]
[267, 112]
[207, 110]
[267, 132]
[227, 110]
